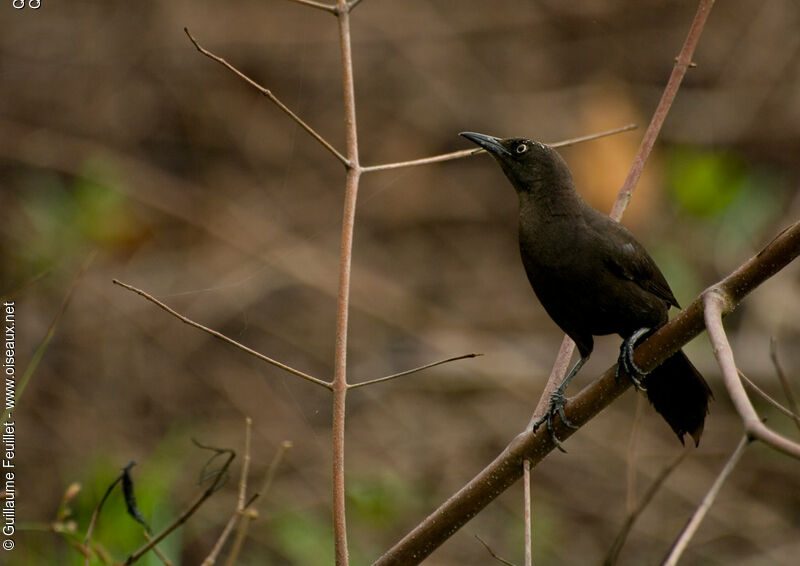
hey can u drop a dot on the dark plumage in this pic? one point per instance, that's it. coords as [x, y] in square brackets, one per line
[594, 278]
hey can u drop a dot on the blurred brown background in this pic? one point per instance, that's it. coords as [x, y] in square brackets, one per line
[117, 137]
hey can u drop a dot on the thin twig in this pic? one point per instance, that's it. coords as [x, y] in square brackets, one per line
[161, 556]
[682, 63]
[183, 517]
[590, 137]
[319, 5]
[268, 93]
[424, 160]
[353, 4]
[526, 495]
[713, 301]
[636, 511]
[244, 515]
[410, 371]
[691, 527]
[241, 533]
[240, 504]
[87, 540]
[787, 388]
[285, 446]
[468, 152]
[633, 441]
[51, 330]
[224, 338]
[490, 551]
[764, 395]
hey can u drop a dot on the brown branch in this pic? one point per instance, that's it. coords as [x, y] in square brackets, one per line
[224, 338]
[716, 302]
[682, 63]
[626, 192]
[180, 520]
[636, 511]
[343, 297]
[240, 503]
[763, 394]
[787, 387]
[691, 527]
[468, 152]
[630, 467]
[268, 93]
[507, 466]
[410, 371]
[492, 552]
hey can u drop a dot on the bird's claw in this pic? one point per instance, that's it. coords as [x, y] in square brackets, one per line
[625, 361]
[556, 407]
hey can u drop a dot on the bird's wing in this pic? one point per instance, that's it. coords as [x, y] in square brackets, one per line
[626, 258]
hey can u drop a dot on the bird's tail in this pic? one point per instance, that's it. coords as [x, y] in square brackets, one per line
[680, 394]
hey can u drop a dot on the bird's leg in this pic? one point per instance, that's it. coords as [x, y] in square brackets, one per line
[557, 402]
[625, 361]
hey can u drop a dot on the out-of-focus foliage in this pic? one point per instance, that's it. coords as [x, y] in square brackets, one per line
[703, 182]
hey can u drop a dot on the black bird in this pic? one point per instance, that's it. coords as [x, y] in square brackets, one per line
[594, 278]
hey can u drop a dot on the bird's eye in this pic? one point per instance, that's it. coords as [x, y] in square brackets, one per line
[521, 148]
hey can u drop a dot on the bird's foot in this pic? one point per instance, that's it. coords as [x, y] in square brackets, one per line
[625, 361]
[556, 407]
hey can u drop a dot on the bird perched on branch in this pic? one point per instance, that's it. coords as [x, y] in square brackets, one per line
[594, 278]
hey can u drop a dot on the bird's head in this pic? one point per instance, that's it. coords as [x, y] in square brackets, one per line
[528, 164]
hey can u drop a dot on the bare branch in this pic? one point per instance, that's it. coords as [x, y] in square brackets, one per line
[224, 338]
[691, 527]
[758, 391]
[268, 93]
[787, 388]
[353, 3]
[343, 296]
[630, 468]
[223, 537]
[526, 495]
[507, 467]
[682, 63]
[467, 152]
[490, 551]
[626, 192]
[424, 160]
[590, 137]
[183, 517]
[319, 5]
[713, 300]
[410, 371]
[619, 541]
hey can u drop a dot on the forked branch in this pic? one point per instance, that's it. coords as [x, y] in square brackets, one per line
[507, 467]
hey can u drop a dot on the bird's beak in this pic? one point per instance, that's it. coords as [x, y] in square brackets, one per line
[489, 143]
